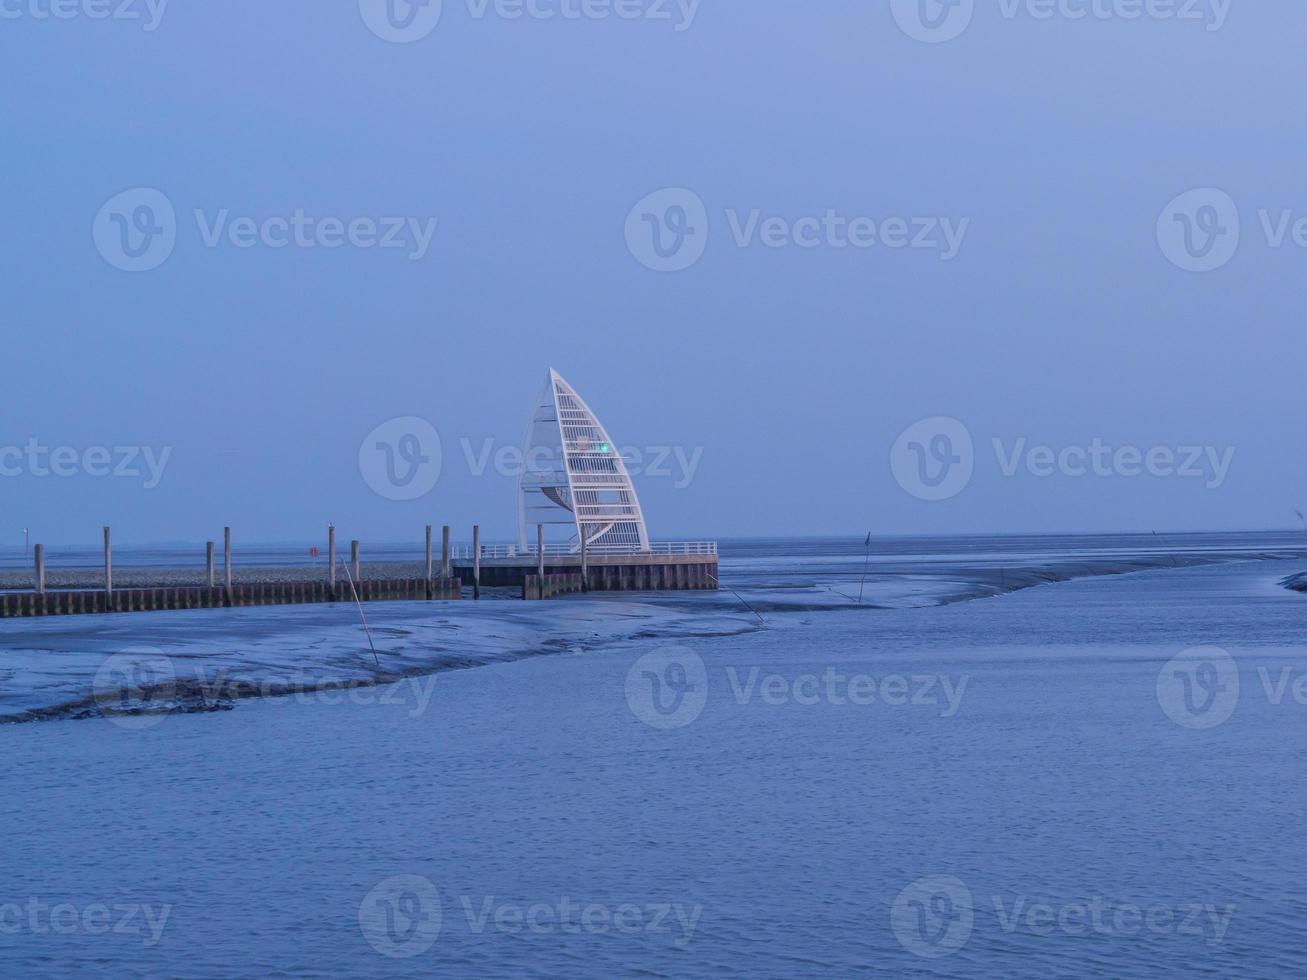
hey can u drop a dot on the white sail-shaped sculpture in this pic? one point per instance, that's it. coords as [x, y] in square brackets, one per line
[573, 476]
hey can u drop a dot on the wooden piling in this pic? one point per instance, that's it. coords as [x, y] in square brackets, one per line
[331, 556]
[585, 565]
[430, 561]
[540, 551]
[444, 552]
[40, 569]
[226, 557]
[108, 564]
[354, 559]
[476, 561]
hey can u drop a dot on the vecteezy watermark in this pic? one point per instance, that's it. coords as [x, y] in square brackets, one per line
[406, 21]
[413, 693]
[149, 13]
[676, 463]
[933, 21]
[936, 21]
[669, 688]
[1202, 230]
[401, 459]
[935, 917]
[567, 915]
[668, 231]
[401, 916]
[137, 230]
[95, 919]
[1200, 688]
[401, 21]
[135, 688]
[939, 691]
[139, 687]
[1199, 230]
[935, 459]
[36, 459]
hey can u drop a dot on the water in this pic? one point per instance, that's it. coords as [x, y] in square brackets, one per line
[966, 788]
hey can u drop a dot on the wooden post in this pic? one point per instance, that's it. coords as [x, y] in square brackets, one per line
[226, 557]
[444, 552]
[354, 558]
[108, 565]
[331, 557]
[540, 552]
[430, 561]
[40, 569]
[476, 561]
[585, 566]
[208, 563]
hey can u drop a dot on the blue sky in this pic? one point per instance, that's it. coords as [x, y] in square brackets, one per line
[1050, 145]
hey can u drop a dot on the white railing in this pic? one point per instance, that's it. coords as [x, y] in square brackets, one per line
[488, 551]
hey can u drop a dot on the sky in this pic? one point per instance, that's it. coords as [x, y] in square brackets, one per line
[827, 268]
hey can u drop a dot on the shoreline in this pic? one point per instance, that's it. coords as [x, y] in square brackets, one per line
[51, 666]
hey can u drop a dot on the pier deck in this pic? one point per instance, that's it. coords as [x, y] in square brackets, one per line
[668, 568]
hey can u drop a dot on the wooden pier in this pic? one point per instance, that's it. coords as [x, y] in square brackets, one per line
[539, 573]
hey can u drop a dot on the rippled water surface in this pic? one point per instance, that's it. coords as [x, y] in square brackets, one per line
[1021, 785]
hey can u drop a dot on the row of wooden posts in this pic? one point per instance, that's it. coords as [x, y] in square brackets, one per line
[446, 570]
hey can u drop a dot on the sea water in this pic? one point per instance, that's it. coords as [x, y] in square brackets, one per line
[1097, 776]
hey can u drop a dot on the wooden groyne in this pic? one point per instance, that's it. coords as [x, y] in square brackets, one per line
[82, 601]
[653, 573]
[535, 587]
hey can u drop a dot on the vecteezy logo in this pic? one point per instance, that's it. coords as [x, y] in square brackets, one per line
[933, 916]
[401, 21]
[400, 459]
[668, 230]
[933, 21]
[136, 688]
[667, 688]
[1199, 688]
[401, 917]
[933, 459]
[1199, 230]
[136, 230]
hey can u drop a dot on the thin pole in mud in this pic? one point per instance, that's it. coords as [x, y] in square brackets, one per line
[1174, 562]
[540, 551]
[444, 551]
[585, 566]
[718, 583]
[354, 558]
[226, 558]
[359, 602]
[208, 563]
[108, 564]
[865, 566]
[331, 558]
[476, 561]
[40, 569]
[430, 562]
